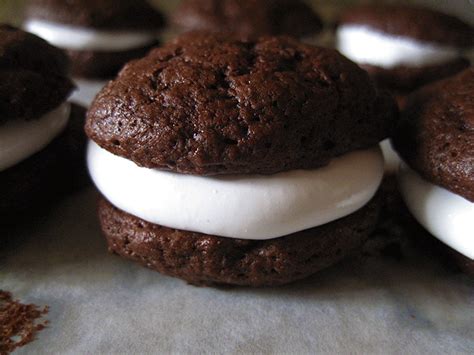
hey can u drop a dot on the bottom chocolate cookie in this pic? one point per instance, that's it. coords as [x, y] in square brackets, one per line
[404, 80]
[398, 231]
[210, 260]
[463, 263]
[449, 258]
[103, 65]
[38, 180]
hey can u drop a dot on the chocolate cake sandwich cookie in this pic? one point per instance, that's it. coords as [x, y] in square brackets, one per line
[248, 18]
[41, 143]
[404, 47]
[234, 162]
[435, 139]
[99, 36]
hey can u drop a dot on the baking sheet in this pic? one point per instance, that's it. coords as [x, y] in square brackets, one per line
[100, 303]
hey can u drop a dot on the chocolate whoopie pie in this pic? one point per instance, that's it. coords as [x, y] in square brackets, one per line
[248, 18]
[41, 138]
[435, 138]
[404, 47]
[234, 162]
[99, 36]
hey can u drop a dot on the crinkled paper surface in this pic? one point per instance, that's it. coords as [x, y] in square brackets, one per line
[100, 303]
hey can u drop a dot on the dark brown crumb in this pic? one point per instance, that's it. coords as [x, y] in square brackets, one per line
[19, 323]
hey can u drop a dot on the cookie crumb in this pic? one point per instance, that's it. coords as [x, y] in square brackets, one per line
[19, 323]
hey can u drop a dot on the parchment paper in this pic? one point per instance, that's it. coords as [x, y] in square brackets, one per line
[100, 303]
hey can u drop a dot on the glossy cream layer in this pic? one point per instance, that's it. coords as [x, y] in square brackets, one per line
[364, 45]
[241, 206]
[20, 139]
[86, 91]
[77, 38]
[447, 216]
[391, 157]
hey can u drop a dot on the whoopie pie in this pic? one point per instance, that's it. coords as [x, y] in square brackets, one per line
[224, 161]
[99, 36]
[41, 136]
[435, 138]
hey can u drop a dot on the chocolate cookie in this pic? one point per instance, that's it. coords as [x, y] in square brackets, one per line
[411, 21]
[206, 260]
[210, 105]
[435, 136]
[35, 87]
[103, 14]
[421, 45]
[33, 75]
[248, 18]
[41, 178]
[464, 263]
[103, 65]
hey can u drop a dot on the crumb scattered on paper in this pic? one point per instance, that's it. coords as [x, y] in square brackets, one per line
[19, 323]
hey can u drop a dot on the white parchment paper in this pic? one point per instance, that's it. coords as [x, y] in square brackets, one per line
[100, 303]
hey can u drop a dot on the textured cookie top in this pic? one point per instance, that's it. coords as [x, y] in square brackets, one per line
[436, 133]
[415, 22]
[248, 18]
[101, 14]
[33, 75]
[209, 105]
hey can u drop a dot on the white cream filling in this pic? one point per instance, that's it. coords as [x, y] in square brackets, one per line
[240, 206]
[367, 46]
[77, 38]
[446, 215]
[86, 91]
[391, 157]
[20, 139]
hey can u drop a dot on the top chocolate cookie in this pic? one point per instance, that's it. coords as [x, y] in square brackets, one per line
[99, 14]
[209, 105]
[414, 22]
[248, 18]
[435, 136]
[33, 75]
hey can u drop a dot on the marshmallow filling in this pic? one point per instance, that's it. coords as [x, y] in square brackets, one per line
[77, 38]
[364, 45]
[253, 207]
[20, 139]
[446, 215]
